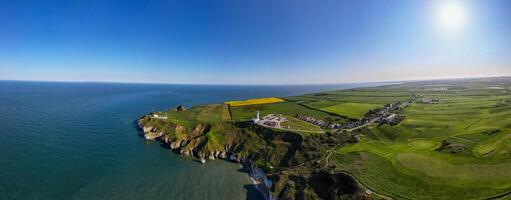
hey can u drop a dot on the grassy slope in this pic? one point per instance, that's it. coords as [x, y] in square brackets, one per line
[383, 176]
[401, 161]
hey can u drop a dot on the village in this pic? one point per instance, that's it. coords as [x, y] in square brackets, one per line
[385, 115]
[388, 114]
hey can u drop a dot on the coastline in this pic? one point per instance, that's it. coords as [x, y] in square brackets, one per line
[256, 175]
[259, 179]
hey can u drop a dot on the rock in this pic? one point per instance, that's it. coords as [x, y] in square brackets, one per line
[203, 161]
[180, 129]
[152, 135]
[222, 155]
[167, 139]
[140, 123]
[185, 152]
[147, 129]
[201, 129]
[174, 145]
[211, 157]
[180, 108]
[182, 143]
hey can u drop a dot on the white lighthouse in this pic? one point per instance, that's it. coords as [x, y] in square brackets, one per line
[256, 119]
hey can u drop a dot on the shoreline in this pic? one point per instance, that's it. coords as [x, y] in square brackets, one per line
[256, 175]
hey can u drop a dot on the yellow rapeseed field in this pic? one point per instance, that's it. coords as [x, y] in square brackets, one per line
[254, 101]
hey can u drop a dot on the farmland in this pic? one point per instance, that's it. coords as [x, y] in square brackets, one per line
[254, 101]
[288, 108]
[351, 110]
[413, 156]
[453, 141]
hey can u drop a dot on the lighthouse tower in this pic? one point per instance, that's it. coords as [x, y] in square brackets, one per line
[256, 119]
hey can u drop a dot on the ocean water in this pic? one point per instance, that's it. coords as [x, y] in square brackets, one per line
[78, 141]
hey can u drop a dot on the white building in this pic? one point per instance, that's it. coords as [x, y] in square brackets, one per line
[159, 116]
[256, 119]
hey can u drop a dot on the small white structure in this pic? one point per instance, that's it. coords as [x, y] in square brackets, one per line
[391, 117]
[159, 116]
[256, 119]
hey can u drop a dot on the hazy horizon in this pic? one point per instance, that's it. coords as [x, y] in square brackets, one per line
[255, 84]
[254, 42]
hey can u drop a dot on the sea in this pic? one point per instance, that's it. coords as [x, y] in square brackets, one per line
[78, 140]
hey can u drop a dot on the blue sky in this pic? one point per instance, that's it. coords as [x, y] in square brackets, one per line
[253, 42]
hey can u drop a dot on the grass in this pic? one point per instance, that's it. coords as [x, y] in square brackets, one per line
[383, 176]
[401, 161]
[421, 144]
[378, 95]
[208, 114]
[286, 108]
[497, 145]
[226, 113]
[254, 101]
[351, 110]
[467, 174]
[297, 124]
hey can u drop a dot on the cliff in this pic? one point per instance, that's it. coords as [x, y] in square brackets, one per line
[290, 160]
[202, 140]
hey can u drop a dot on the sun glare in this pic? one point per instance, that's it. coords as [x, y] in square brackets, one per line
[451, 16]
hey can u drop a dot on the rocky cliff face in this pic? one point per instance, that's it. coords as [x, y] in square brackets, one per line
[191, 142]
[290, 160]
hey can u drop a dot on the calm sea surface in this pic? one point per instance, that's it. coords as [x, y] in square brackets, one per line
[78, 141]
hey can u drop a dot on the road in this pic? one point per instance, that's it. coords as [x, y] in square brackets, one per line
[359, 127]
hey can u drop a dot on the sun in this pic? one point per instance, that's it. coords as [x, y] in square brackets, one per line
[451, 16]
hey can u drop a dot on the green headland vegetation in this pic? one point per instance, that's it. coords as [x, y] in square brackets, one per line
[448, 139]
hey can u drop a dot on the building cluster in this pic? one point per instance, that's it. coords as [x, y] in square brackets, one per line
[392, 119]
[318, 122]
[355, 124]
[387, 114]
[387, 110]
[273, 120]
[383, 111]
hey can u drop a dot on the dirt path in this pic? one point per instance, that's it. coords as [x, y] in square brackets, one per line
[327, 157]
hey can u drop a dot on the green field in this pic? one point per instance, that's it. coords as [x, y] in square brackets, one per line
[456, 148]
[351, 110]
[287, 108]
[296, 124]
[404, 161]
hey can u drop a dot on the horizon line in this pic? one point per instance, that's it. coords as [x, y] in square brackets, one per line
[276, 84]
